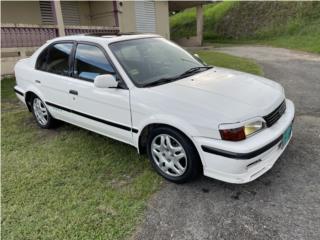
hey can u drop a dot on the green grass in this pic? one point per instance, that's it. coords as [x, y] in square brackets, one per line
[308, 43]
[7, 92]
[228, 61]
[306, 39]
[69, 183]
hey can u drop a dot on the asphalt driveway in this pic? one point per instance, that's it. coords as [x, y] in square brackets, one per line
[282, 204]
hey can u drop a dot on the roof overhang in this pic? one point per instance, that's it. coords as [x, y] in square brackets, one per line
[180, 5]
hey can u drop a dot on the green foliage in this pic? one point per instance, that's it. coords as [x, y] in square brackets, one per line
[183, 24]
[214, 12]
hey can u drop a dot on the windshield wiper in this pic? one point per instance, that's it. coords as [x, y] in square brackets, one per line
[194, 70]
[160, 81]
[184, 74]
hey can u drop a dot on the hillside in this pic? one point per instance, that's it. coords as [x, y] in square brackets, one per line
[285, 24]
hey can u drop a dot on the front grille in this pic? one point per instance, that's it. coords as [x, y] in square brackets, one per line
[274, 116]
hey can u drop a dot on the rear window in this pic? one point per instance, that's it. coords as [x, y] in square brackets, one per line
[55, 59]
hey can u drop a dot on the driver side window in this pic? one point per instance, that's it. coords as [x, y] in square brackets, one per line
[90, 62]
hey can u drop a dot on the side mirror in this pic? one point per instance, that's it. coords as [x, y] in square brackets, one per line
[105, 81]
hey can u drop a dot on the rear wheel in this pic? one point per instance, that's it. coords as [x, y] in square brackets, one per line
[173, 155]
[41, 113]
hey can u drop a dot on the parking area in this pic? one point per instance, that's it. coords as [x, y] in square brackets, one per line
[282, 204]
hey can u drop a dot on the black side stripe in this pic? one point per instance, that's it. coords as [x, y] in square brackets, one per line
[113, 124]
[241, 156]
[20, 93]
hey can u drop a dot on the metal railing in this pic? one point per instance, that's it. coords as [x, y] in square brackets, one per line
[73, 30]
[22, 35]
[26, 35]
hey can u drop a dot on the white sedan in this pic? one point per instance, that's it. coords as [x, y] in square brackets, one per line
[146, 91]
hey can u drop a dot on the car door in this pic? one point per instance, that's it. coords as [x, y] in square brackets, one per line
[52, 77]
[104, 110]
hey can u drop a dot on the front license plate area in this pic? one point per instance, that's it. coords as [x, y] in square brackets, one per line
[286, 136]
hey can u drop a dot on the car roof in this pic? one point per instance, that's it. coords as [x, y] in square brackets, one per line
[103, 38]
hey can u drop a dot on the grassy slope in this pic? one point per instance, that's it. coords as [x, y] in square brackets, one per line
[183, 24]
[281, 24]
[69, 183]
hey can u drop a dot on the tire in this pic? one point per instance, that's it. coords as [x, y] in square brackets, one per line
[41, 113]
[173, 155]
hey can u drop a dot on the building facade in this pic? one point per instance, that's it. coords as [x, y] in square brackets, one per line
[26, 25]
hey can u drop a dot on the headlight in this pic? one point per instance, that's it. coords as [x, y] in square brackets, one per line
[253, 127]
[240, 133]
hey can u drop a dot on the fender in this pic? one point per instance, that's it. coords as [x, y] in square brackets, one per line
[36, 91]
[170, 120]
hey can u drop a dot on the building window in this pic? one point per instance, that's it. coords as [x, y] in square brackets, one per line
[145, 16]
[70, 12]
[46, 10]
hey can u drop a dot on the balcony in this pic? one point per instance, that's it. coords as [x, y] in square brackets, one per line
[27, 35]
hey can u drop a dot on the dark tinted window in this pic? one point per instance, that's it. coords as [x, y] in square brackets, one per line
[90, 62]
[55, 59]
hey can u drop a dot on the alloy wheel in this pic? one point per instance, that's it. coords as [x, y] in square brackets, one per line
[40, 111]
[169, 155]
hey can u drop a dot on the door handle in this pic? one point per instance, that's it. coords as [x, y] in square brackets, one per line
[37, 81]
[74, 92]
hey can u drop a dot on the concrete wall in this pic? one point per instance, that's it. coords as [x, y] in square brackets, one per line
[84, 9]
[127, 18]
[162, 19]
[10, 56]
[23, 12]
[95, 13]
[102, 13]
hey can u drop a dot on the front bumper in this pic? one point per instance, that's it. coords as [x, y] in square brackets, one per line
[244, 161]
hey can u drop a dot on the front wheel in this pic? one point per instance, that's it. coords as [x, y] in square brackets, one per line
[41, 113]
[173, 155]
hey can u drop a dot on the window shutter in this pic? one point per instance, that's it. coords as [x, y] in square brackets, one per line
[70, 13]
[46, 10]
[145, 16]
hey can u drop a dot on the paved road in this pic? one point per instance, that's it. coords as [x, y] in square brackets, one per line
[282, 204]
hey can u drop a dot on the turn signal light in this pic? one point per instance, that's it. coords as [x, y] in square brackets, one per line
[235, 134]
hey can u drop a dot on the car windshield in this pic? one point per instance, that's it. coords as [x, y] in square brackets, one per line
[148, 61]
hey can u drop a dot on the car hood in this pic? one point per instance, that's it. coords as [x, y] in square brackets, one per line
[231, 96]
